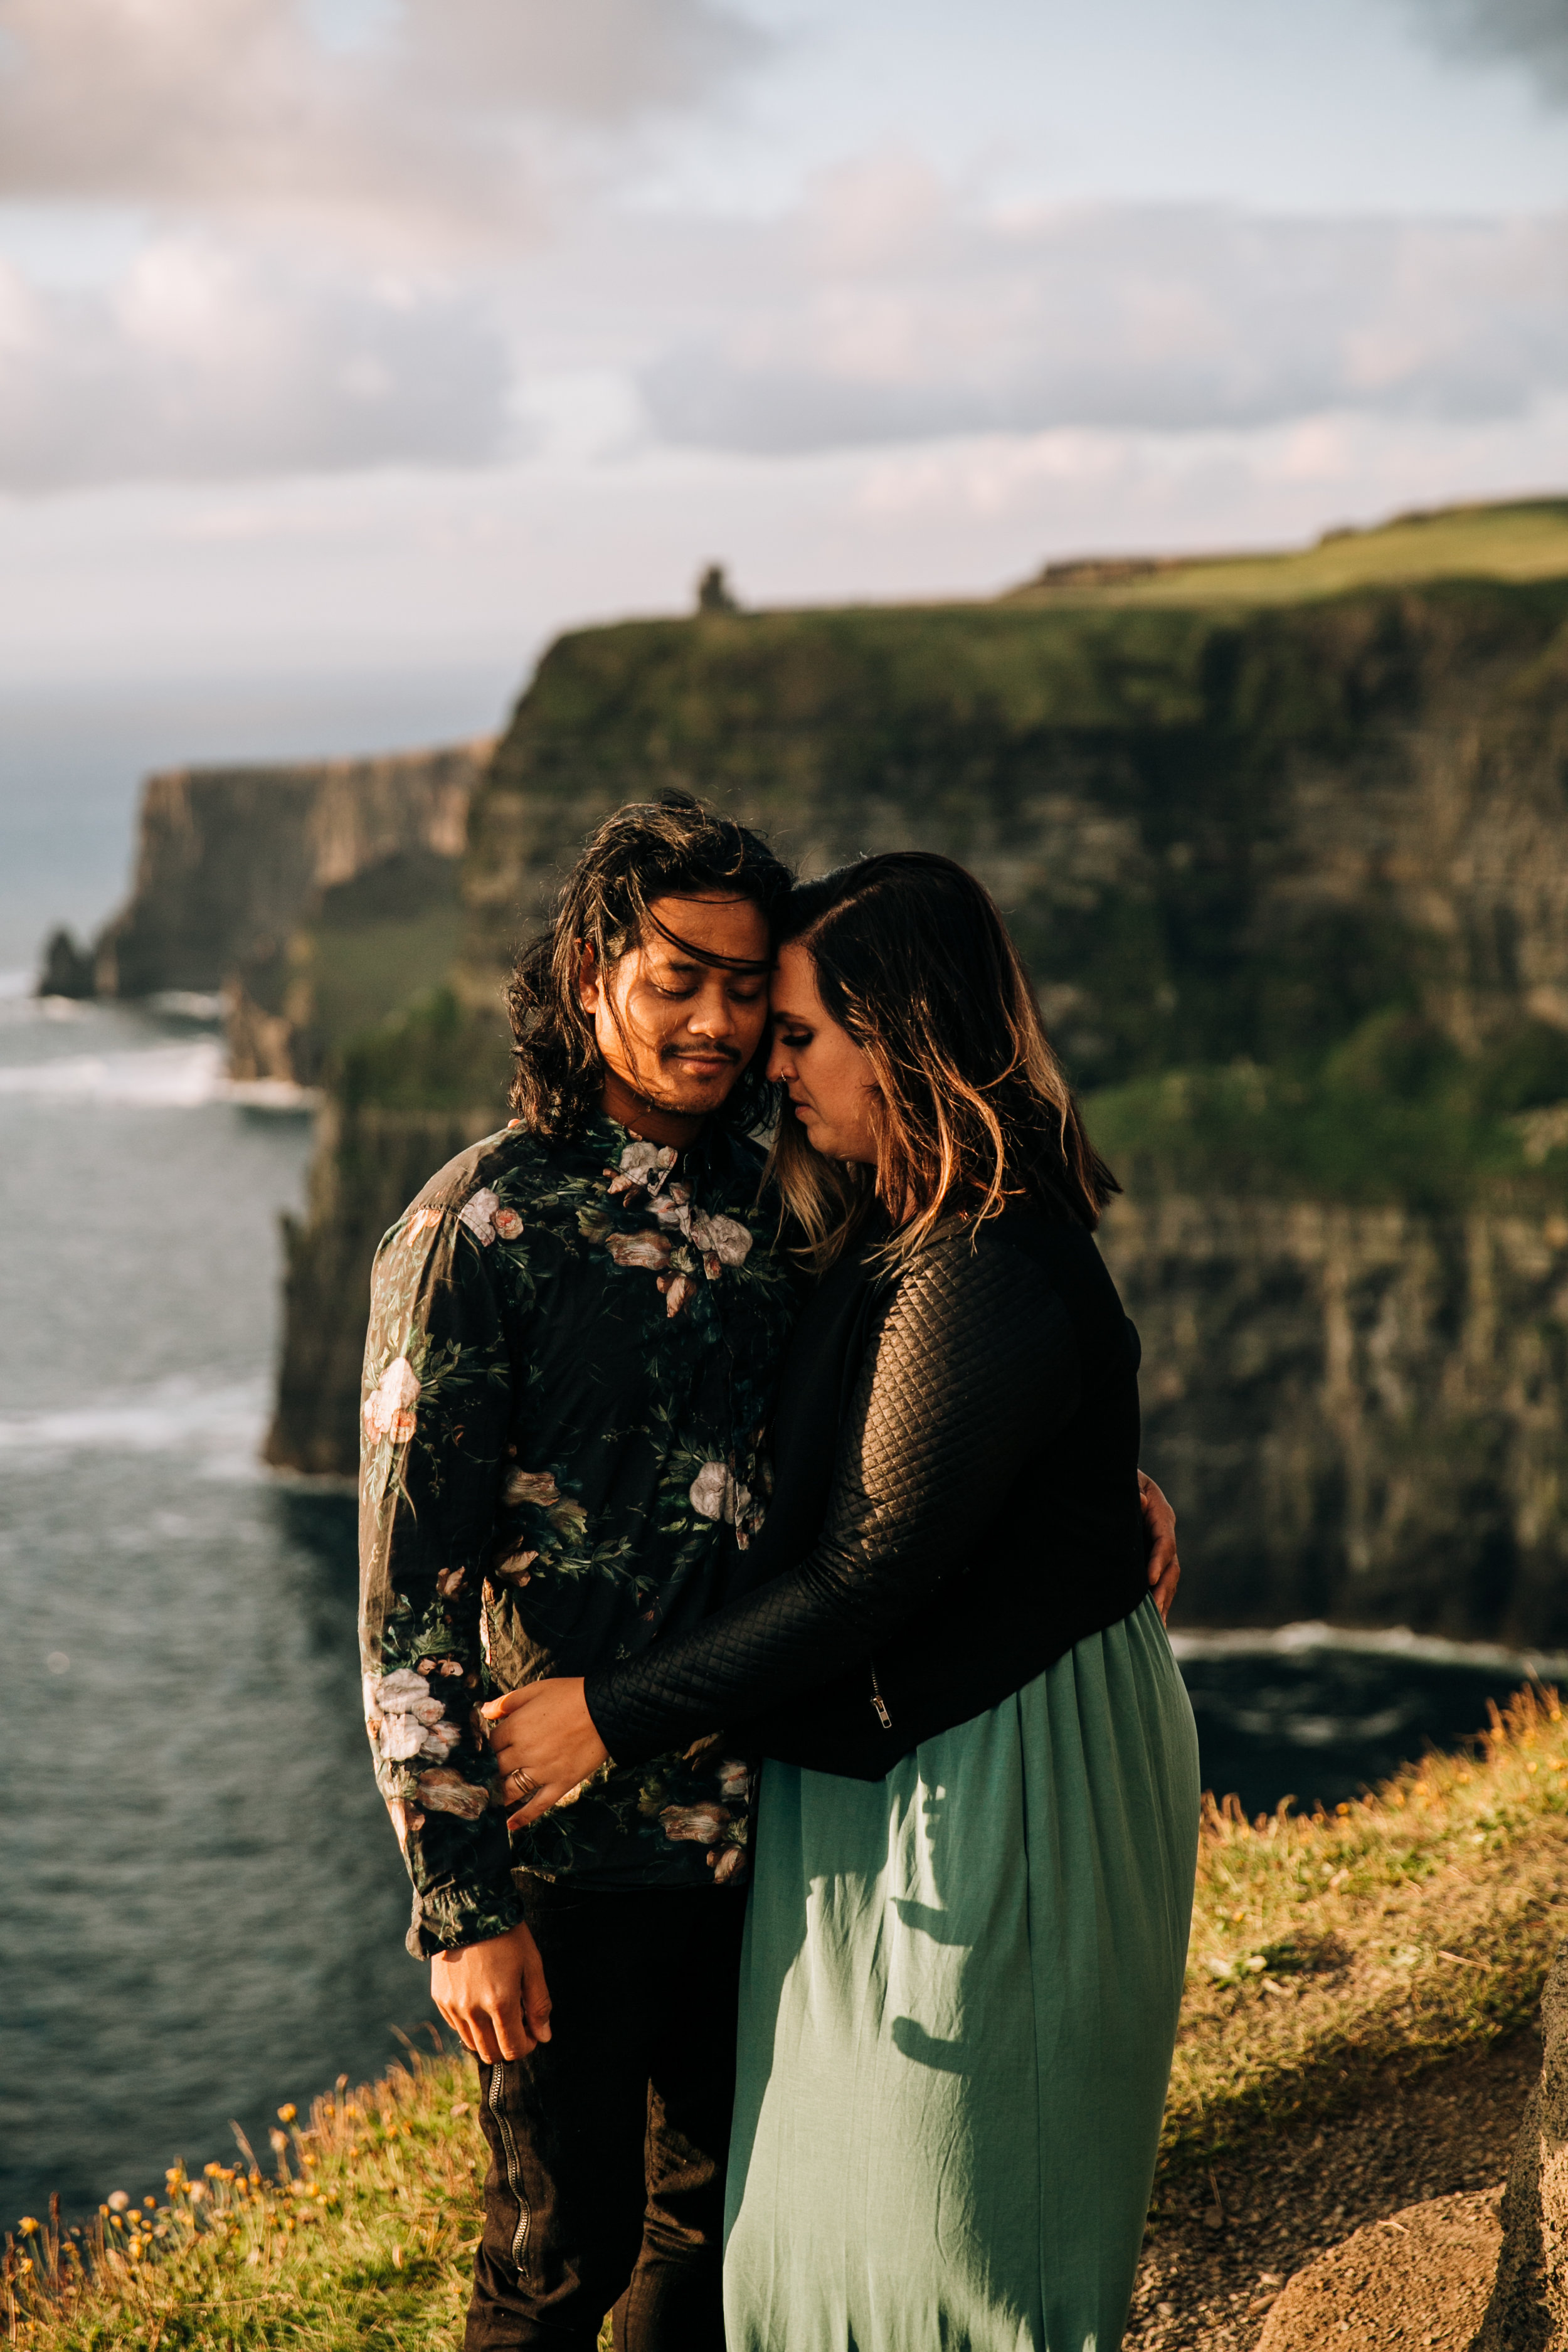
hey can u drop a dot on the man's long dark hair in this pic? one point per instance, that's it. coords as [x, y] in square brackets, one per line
[970, 1105]
[650, 849]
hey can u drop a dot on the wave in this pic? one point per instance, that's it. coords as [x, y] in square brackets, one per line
[1378, 1641]
[224, 1421]
[154, 1077]
[187, 1006]
[178, 1077]
[20, 1009]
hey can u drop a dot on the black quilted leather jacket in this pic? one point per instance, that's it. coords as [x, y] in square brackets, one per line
[956, 1456]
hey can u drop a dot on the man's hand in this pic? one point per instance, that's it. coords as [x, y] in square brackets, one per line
[544, 1744]
[493, 1995]
[1160, 1527]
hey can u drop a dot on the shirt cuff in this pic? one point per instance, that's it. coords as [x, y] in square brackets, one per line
[458, 1916]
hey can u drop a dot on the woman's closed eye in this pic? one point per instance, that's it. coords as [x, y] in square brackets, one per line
[789, 1035]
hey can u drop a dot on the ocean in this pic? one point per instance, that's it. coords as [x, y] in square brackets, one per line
[203, 1906]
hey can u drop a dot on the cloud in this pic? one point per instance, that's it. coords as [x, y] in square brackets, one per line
[380, 231]
[434, 122]
[890, 309]
[327, 197]
[209, 359]
[1533, 32]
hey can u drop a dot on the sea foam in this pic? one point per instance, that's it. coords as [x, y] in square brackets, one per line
[176, 1077]
[220, 1420]
[1302, 1639]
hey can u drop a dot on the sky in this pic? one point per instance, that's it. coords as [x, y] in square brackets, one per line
[389, 337]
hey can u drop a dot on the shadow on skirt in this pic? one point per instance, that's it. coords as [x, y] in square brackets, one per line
[958, 2005]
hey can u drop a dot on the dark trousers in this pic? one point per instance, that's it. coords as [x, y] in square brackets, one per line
[606, 2188]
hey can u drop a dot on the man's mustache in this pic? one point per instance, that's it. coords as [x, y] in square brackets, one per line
[681, 1052]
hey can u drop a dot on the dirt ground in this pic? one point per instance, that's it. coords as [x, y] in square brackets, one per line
[1221, 2246]
[1423, 2279]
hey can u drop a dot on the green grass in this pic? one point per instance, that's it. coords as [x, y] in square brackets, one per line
[1394, 1113]
[1527, 540]
[360, 2235]
[435, 1055]
[1330, 1952]
[354, 975]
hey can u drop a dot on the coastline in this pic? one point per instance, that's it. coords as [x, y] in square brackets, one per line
[1306, 1635]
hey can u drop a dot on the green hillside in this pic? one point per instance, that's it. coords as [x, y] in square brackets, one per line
[1527, 540]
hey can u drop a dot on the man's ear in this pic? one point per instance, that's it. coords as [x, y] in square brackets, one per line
[589, 979]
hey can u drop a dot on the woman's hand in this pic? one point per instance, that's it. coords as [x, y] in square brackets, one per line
[544, 1744]
[493, 1995]
[1160, 1527]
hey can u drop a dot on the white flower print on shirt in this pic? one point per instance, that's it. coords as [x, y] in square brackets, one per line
[724, 1238]
[643, 1166]
[478, 1212]
[389, 1409]
[405, 1718]
[716, 1494]
[648, 1250]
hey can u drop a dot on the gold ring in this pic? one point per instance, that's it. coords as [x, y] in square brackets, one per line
[526, 1783]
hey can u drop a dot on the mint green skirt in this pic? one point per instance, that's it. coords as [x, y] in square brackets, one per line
[958, 2006]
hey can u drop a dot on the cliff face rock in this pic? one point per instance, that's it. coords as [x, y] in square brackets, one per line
[67, 969]
[368, 1165]
[1228, 839]
[360, 950]
[1358, 1413]
[1529, 2307]
[232, 860]
[1217, 833]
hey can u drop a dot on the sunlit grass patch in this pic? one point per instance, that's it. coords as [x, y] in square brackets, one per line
[1329, 1951]
[360, 2234]
[1332, 1948]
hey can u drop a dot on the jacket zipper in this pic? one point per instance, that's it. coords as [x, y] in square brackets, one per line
[878, 1702]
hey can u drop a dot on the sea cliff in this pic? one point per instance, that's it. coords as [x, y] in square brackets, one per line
[229, 858]
[1358, 1411]
[1285, 842]
[309, 893]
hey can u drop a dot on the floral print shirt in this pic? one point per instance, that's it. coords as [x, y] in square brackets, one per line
[571, 1356]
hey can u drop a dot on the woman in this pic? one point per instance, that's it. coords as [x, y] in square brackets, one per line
[978, 1823]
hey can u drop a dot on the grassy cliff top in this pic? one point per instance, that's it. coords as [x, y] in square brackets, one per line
[1329, 1955]
[1527, 540]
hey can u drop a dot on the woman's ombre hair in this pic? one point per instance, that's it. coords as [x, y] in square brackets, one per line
[971, 1106]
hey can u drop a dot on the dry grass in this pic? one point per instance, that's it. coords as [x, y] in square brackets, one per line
[360, 2235]
[1329, 1949]
[1329, 1954]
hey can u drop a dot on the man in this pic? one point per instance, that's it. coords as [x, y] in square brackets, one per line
[574, 1335]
